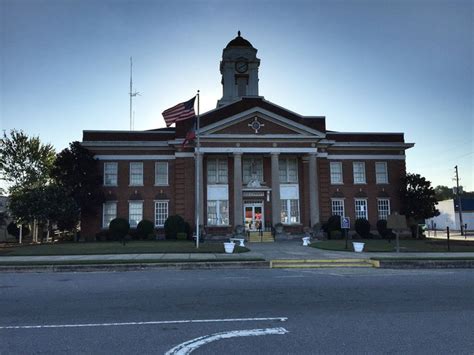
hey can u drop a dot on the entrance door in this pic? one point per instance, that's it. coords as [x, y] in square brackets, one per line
[253, 216]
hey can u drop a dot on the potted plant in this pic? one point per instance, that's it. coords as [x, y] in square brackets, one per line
[229, 247]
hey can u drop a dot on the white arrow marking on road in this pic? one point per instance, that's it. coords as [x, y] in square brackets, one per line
[191, 345]
[281, 319]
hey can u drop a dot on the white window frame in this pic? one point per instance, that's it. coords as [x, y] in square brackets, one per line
[360, 177]
[286, 207]
[334, 173]
[164, 216]
[165, 181]
[130, 203]
[114, 173]
[132, 173]
[358, 203]
[113, 216]
[383, 213]
[284, 162]
[334, 204]
[381, 177]
[221, 165]
[221, 220]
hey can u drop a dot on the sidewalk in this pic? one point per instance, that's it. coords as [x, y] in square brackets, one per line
[261, 255]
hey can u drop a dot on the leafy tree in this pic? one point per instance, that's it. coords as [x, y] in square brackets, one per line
[418, 198]
[443, 193]
[47, 205]
[24, 162]
[76, 170]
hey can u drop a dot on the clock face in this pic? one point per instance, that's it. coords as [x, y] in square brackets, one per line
[241, 67]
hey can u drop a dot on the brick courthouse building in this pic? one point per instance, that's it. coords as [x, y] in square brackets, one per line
[261, 164]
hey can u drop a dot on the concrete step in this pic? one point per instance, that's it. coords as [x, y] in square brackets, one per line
[254, 237]
[320, 263]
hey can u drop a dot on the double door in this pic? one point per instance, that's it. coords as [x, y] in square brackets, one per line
[253, 216]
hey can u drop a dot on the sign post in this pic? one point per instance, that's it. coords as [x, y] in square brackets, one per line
[346, 225]
[397, 222]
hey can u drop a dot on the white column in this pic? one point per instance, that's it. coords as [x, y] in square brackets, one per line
[313, 190]
[276, 203]
[238, 212]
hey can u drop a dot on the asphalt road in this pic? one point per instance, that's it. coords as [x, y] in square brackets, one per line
[344, 311]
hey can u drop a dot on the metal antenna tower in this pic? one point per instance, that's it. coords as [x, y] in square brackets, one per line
[132, 94]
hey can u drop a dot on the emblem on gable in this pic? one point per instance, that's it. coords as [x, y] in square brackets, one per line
[256, 125]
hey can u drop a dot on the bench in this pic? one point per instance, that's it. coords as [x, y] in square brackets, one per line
[240, 240]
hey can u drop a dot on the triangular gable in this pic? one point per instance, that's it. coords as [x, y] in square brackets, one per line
[268, 123]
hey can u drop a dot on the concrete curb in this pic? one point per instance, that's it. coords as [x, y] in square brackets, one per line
[423, 264]
[138, 266]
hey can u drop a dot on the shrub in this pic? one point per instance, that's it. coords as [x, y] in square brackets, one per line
[181, 236]
[188, 231]
[362, 227]
[383, 230]
[173, 226]
[332, 225]
[14, 230]
[145, 229]
[119, 228]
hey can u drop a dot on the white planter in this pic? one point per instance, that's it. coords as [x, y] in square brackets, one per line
[229, 247]
[306, 241]
[358, 246]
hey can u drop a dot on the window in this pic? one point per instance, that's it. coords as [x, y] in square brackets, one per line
[383, 206]
[135, 213]
[288, 170]
[337, 207]
[217, 171]
[381, 175]
[161, 213]
[110, 174]
[161, 173]
[218, 212]
[136, 174]
[109, 213]
[290, 211]
[361, 208]
[359, 172]
[336, 172]
[252, 168]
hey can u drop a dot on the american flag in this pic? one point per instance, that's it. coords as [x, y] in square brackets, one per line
[180, 112]
[191, 135]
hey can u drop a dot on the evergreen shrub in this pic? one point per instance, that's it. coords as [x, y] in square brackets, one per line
[362, 227]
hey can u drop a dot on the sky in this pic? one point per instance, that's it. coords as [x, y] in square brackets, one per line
[368, 66]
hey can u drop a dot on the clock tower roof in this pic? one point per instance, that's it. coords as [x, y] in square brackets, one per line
[239, 42]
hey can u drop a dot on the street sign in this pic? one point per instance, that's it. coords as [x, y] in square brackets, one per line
[345, 223]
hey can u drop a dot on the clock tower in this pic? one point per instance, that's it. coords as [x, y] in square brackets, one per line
[239, 70]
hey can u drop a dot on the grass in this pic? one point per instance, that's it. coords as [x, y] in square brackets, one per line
[406, 245]
[133, 247]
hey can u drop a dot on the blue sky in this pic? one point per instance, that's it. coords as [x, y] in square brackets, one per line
[396, 66]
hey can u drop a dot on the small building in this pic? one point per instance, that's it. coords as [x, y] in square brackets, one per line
[260, 164]
[449, 215]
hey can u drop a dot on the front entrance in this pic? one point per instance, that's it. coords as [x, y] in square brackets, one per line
[253, 216]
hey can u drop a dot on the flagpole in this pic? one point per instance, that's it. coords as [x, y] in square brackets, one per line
[198, 175]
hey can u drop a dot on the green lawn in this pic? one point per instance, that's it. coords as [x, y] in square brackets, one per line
[406, 245]
[133, 247]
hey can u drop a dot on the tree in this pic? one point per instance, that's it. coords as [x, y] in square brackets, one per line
[418, 198]
[76, 170]
[47, 205]
[443, 193]
[25, 162]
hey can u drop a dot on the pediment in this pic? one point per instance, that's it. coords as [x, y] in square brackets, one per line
[260, 123]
